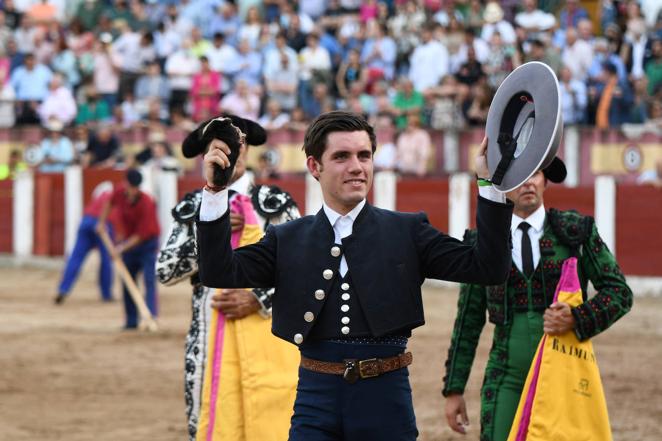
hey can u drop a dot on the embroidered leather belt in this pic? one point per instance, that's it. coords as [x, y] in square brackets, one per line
[353, 369]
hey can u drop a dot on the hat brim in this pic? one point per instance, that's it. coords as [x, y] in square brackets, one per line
[530, 93]
[192, 145]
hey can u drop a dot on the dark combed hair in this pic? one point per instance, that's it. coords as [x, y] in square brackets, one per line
[315, 139]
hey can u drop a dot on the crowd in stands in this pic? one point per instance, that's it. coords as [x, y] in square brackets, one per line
[96, 66]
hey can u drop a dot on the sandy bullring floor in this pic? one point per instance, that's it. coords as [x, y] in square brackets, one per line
[69, 373]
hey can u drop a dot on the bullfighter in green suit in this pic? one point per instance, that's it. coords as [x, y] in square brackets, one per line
[521, 309]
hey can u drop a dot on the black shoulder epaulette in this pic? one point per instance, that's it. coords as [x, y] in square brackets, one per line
[270, 201]
[188, 207]
[571, 228]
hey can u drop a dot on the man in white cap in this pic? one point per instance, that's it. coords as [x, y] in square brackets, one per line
[494, 22]
[56, 150]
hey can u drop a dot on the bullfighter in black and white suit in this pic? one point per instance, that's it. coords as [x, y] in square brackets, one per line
[348, 281]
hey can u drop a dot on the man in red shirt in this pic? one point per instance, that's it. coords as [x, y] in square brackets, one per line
[139, 239]
[86, 239]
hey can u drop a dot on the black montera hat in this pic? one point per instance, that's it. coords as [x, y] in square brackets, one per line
[555, 171]
[524, 127]
[193, 145]
[230, 129]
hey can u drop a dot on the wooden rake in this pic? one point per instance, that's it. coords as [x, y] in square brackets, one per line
[147, 322]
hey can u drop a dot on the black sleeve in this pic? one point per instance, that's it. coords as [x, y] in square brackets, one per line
[487, 262]
[252, 266]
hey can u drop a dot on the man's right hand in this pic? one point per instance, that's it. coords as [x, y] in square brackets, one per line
[456, 413]
[237, 221]
[217, 154]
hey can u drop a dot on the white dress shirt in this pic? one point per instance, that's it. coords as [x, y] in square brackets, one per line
[537, 18]
[492, 194]
[429, 64]
[224, 59]
[504, 28]
[214, 205]
[574, 99]
[578, 58]
[638, 53]
[537, 222]
[342, 227]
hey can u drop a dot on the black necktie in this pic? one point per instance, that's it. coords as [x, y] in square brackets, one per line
[527, 251]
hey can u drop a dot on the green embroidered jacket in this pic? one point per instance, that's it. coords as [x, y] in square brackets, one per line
[565, 234]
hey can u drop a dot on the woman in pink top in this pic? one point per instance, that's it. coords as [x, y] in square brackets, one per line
[205, 92]
[369, 10]
[4, 69]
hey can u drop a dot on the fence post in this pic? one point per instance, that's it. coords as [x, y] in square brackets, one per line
[451, 151]
[385, 190]
[166, 199]
[605, 210]
[147, 185]
[23, 204]
[73, 205]
[571, 155]
[459, 206]
[314, 197]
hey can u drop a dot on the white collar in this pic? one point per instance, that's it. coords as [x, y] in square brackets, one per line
[241, 185]
[333, 216]
[535, 219]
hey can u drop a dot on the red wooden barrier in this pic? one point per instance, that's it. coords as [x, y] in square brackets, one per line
[7, 218]
[187, 184]
[581, 199]
[94, 176]
[638, 238]
[428, 195]
[638, 213]
[49, 214]
[555, 196]
[292, 137]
